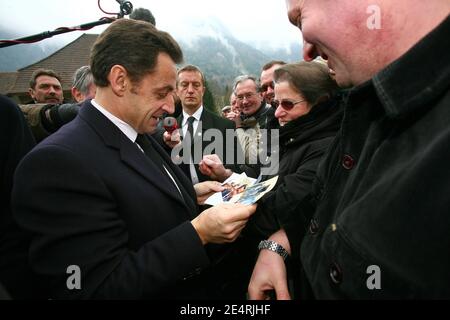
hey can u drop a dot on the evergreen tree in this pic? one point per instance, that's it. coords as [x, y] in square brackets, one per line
[208, 100]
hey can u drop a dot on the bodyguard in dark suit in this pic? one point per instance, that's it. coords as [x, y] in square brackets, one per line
[110, 215]
[195, 120]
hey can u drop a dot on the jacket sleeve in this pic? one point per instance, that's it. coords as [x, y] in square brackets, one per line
[289, 205]
[33, 115]
[74, 219]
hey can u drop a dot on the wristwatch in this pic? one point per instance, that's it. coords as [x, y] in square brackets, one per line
[273, 246]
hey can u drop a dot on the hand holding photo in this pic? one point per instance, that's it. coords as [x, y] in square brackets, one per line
[241, 189]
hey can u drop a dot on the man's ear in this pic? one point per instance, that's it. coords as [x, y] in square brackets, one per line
[31, 93]
[76, 94]
[118, 80]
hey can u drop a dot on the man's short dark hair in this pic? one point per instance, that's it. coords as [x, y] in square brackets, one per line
[133, 44]
[144, 15]
[270, 64]
[42, 72]
[191, 67]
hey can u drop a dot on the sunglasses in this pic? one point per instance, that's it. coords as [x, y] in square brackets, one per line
[286, 104]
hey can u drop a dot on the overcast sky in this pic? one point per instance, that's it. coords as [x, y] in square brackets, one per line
[248, 20]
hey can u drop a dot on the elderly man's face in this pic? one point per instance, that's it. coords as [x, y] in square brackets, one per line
[337, 30]
[249, 100]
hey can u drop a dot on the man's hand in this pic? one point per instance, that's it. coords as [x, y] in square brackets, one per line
[232, 115]
[269, 272]
[222, 223]
[172, 139]
[205, 189]
[212, 166]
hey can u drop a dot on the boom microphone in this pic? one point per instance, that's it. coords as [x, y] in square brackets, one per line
[125, 7]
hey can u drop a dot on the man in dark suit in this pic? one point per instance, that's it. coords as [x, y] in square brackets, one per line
[110, 215]
[190, 90]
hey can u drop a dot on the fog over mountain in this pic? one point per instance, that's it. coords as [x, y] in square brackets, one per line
[206, 43]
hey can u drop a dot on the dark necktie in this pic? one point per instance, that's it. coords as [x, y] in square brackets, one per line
[149, 151]
[156, 158]
[190, 129]
[188, 142]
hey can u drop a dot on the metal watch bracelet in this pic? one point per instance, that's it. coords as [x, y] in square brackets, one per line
[273, 246]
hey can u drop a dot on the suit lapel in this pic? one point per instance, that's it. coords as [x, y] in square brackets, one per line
[132, 156]
[185, 184]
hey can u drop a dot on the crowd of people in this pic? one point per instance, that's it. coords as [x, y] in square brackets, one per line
[100, 201]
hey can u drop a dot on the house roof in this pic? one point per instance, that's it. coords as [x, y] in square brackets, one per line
[65, 62]
[7, 81]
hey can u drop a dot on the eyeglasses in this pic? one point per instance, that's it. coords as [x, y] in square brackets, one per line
[265, 87]
[245, 96]
[286, 104]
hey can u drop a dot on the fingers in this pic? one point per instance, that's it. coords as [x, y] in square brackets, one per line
[281, 288]
[204, 169]
[237, 211]
[216, 186]
[282, 294]
[207, 187]
[259, 286]
[171, 139]
[212, 160]
[233, 232]
[255, 293]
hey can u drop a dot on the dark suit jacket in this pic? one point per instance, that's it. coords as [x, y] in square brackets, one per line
[16, 141]
[99, 203]
[209, 121]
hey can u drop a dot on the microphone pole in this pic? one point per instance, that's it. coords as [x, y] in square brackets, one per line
[49, 34]
[125, 8]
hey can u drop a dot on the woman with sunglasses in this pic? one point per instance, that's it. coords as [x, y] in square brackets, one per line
[309, 114]
[308, 111]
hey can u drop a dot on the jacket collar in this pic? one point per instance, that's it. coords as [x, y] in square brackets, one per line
[322, 121]
[206, 122]
[418, 76]
[134, 158]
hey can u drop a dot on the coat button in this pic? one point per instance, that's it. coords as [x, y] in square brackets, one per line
[335, 273]
[348, 162]
[313, 226]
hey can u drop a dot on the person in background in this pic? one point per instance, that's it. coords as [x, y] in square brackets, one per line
[195, 120]
[266, 79]
[255, 117]
[144, 15]
[46, 118]
[45, 87]
[235, 113]
[225, 111]
[83, 86]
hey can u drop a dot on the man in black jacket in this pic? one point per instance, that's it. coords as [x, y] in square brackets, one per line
[377, 222]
